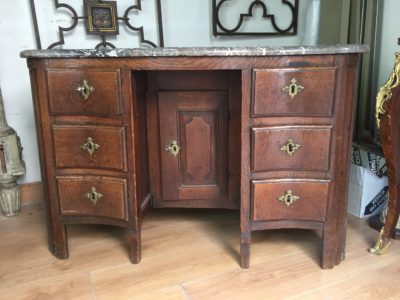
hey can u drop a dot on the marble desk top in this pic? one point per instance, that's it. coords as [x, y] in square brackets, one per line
[196, 51]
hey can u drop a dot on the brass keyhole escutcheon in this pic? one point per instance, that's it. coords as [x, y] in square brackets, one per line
[93, 195]
[288, 198]
[293, 89]
[90, 146]
[173, 148]
[291, 147]
[85, 89]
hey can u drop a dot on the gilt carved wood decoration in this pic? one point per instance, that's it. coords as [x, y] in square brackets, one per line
[387, 112]
[272, 23]
[101, 18]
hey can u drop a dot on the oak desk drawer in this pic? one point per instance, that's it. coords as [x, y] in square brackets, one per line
[89, 147]
[289, 200]
[89, 92]
[92, 196]
[295, 148]
[305, 91]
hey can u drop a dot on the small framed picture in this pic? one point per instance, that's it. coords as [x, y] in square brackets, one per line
[101, 17]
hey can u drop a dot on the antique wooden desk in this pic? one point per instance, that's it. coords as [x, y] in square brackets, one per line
[266, 130]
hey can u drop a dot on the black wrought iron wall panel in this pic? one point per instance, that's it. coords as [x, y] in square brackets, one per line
[101, 18]
[219, 29]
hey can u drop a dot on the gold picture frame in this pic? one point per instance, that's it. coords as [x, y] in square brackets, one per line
[102, 17]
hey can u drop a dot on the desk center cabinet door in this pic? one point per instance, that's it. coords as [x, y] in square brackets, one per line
[193, 142]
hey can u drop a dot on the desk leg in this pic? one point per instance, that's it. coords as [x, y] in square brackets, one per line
[329, 248]
[57, 238]
[134, 240]
[245, 240]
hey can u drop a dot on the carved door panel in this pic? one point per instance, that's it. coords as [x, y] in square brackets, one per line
[193, 141]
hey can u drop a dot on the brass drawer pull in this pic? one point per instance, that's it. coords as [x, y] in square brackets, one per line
[288, 198]
[293, 89]
[90, 147]
[291, 147]
[85, 89]
[173, 148]
[93, 195]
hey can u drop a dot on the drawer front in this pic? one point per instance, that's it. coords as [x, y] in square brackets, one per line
[89, 92]
[92, 196]
[289, 200]
[305, 92]
[295, 148]
[90, 147]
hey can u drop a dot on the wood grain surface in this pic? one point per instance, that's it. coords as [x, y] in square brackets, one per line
[210, 105]
[285, 263]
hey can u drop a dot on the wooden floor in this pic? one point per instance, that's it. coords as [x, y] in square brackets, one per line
[189, 254]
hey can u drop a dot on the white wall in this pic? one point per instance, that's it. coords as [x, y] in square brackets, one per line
[16, 35]
[186, 23]
[388, 35]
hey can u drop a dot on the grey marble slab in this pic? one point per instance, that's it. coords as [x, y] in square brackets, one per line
[196, 51]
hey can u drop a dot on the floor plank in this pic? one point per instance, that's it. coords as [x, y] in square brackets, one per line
[189, 255]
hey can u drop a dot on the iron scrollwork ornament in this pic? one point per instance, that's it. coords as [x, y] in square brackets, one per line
[219, 29]
[101, 18]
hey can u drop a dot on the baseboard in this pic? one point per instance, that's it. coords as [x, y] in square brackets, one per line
[31, 192]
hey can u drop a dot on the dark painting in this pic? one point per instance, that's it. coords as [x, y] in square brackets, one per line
[101, 17]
